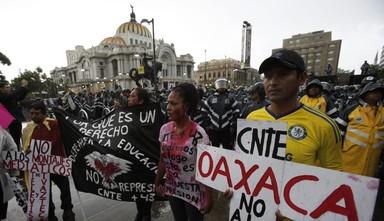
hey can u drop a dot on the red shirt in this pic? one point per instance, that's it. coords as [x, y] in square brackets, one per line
[41, 132]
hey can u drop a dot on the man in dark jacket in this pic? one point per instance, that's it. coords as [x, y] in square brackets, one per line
[221, 111]
[10, 101]
[257, 99]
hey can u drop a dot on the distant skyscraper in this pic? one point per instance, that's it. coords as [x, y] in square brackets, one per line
[317, 49]
[376, 59]
[246, 45]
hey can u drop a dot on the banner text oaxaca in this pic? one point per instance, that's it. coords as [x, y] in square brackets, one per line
[301, 192]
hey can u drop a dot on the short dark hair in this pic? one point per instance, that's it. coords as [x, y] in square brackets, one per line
[39, 105]
[189, 94]
[143, 95]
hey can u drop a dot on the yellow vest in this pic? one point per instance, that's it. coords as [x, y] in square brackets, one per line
[318, 103]
[364, 140]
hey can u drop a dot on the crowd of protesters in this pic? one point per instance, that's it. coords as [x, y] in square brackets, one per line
[351, 116]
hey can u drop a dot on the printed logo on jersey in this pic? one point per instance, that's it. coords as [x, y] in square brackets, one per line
[214, 100]
[297, 132]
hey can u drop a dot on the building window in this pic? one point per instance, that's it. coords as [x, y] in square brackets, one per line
[131, 41]
[101, 63]
[309, 67]
[317, 60]
[115, 69]
[74, 77]
[318, 54]
[101, 73]
[189, 71]
[136, 41]
[331, 52]
[330, 59]
[178, 70]
[332, 45]
[309, 61]
[150, 46]
[310, 55]
[165, 72]
[209, 75]
[141, 42]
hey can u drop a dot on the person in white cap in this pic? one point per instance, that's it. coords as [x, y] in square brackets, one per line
[222, 111]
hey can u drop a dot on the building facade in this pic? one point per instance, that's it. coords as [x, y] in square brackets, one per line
[107, 65]
[208, 72]
[318, 51]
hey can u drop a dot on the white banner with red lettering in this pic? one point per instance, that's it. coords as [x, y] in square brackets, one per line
[40, 164]
[301, 192]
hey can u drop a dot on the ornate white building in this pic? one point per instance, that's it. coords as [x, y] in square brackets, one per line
[108, 64]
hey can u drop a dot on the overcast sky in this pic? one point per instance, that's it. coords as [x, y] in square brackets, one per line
[38, 32]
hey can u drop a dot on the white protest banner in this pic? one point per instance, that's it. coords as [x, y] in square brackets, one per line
[224, 169]
[304, 193]
[39, 183]
[314, 193]
[262, 138]
[40, 164]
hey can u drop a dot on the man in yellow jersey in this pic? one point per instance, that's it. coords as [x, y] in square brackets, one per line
[313, 138]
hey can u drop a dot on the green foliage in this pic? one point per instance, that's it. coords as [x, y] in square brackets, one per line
[4, 59]
[38, 83]
[376, 70]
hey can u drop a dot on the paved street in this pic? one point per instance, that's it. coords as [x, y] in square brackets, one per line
[96, 208]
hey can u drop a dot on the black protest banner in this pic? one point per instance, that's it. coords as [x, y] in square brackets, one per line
[116, 156]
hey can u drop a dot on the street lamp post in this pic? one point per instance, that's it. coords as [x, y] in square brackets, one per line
[152, 21]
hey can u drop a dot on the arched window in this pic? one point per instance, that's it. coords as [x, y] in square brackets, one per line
[101, 73]
[115, 69]
[189, 71]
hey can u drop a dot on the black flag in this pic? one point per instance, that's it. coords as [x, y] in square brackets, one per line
[116, 156]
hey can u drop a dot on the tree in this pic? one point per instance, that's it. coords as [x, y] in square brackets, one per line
[4, 59]
[376, 70]
[38, 83]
